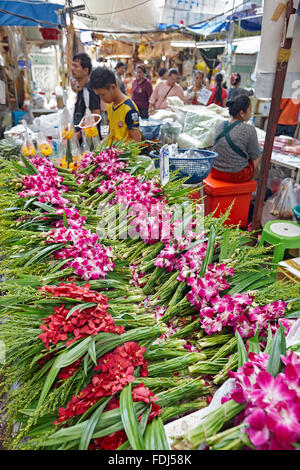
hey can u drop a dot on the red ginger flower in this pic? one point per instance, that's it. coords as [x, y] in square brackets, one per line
[73, 291]
[80, 324]
[110, 442]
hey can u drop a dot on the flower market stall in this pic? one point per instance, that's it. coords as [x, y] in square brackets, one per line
[120, 316]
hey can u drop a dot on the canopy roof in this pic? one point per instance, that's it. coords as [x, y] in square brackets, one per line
[29, 13]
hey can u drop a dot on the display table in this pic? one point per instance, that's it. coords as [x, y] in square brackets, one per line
[287, 161]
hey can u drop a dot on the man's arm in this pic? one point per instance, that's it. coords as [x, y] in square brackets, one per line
[135, 134]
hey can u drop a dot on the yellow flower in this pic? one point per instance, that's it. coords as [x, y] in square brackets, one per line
[63, 163]
[46, 150]
[91, 131]
[28, 150]
[73, 166]
[68, 133]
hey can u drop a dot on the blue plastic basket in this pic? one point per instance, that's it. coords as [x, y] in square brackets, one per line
[197, 168]
[151, 130]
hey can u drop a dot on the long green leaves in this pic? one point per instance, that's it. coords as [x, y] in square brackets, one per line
[129, 420]
[155, 436]
[64, 359]
[243, 356]
[91, 425]
[209, 251]
[278, 348]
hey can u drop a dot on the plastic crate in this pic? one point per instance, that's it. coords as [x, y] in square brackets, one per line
[151, 130]
[196, 168]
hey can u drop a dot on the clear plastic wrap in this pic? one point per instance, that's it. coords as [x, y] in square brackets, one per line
[285, 199]
[27, 148]
[69, 150]
[88, 126]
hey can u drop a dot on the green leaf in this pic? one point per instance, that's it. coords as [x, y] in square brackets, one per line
[43, 253]
[209, 251]
[64, 359]
[254, 343]
[92, 351]
[144, 419]
[30, 167]
[129, 420]
[278, 348]
[269, 340]
[80, 307]
[243, 356]
[224, 245]
[91, 425]
[45, 207]
[65, 220]
[155, 436]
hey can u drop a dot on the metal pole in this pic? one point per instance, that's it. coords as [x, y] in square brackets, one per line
[281, 69]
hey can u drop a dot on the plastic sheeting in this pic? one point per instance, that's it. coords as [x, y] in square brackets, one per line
[121, 15]
[271, 36]
[29, 13]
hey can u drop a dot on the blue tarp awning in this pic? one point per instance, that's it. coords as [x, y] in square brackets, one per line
[246, 14]
[29, 13]
[205, 29]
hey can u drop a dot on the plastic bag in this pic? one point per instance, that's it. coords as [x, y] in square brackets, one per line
[27, 148]
[88, 125]
[169, 132]
[285, 200]
[185, 424]
[69, 150]
[44, 145]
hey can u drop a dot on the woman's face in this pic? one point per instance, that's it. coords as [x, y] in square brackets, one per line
[198, 79]
[245, 116]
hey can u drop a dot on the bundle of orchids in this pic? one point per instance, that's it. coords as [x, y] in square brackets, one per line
[125, 309]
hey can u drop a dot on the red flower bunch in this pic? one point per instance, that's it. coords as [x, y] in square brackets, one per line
[116, 369]
[75, 292]
[82, 323]
[68, 371]
[110, 442]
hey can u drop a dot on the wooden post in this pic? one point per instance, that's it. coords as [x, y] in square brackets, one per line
[281, 69]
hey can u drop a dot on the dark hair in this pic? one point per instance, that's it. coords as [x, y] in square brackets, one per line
[218, 96]
[85, 61]
[235, 78]
[120, 64]
[241, 103]
[162, 71]
[102, 77]
[173, 70]
[142, 67]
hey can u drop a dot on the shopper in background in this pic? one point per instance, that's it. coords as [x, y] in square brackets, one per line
[162, 75]
[193, 91]
[289, 117]
[141, 91]
[235, 90]
[122, 112]
[120, 71]
[128, 81]
[219, 94]
[236, 144]
[164, 90]
[81, 68]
